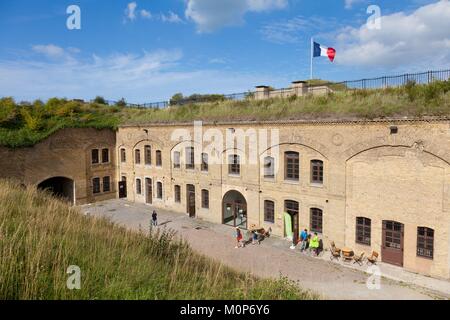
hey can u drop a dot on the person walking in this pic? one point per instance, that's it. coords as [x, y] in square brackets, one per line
[154, 218]
[238, 238]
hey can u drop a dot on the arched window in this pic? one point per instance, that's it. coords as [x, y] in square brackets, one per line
[269, 167]
[316, 220]
[363, 230]
[177, 194]
[159, 190]
[123, 155]
[425, 242]
[138, 186]
[292, 165]
[148, 155]
[158, 158]
[317, 171]
[205, 199]
[234, 164]
[269, 211]
[291, 207]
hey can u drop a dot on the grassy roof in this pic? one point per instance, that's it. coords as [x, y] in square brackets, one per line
[26, 124]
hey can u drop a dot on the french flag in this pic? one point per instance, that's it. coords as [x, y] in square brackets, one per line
[321, 51]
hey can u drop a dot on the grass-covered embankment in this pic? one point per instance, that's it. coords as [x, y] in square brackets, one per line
[40, 237]
[28, 123]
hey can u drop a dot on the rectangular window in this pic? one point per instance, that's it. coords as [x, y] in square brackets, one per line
[205, 199]
[363, 230]
[137, 156]
[316, 220]
[176, 160]
[96, 185]
[190, 158]
[292, 166]
[106, 184]
[158, 158]
[234, 166]
[94, 156]
[105, 155]
[138, 186]
[204, 167]
[269, 168]
[159, 190]
[425, 242]
[123, 155]
[177, 194]
[269, 211]
[148, 155]
[317, 171]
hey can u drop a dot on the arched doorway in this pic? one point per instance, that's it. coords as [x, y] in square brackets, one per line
[234, 209]
[61, 187]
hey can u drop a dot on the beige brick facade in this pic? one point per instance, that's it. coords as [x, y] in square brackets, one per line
[67, 153]
[369, 171]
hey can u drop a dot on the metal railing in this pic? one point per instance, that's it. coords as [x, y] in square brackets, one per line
[321, 87]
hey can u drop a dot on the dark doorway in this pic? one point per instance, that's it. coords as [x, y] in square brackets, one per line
[148, 191]
[123, 188]
[292, 208]
[234, 212]
[60, 187]
[392, 247]
[190, 200]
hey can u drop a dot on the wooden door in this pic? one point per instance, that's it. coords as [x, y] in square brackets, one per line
[148, 191]
[392, 246]
[122, 189]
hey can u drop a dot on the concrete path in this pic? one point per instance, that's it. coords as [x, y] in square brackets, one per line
[272, 258]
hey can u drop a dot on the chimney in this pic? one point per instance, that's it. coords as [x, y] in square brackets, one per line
[299, 88]
[262, 92]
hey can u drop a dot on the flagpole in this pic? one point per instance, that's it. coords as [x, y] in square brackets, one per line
[312, 53]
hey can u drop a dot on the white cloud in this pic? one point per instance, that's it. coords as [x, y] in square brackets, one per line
[349, 3]
[419, 38]
[211, 15]
[130, 11]
[147, 77]
[49, 50]
[171, 18]
[146, 14]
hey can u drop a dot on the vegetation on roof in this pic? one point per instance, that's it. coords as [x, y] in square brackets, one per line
[25, 124]
[42, 236]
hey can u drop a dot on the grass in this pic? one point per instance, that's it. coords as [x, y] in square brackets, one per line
[26, 124]
[40, 237]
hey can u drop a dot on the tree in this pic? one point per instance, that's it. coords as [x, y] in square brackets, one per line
[121, 103]
[176, 99]
[100, 100]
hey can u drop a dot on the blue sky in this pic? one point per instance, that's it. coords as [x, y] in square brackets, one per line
[147, 50]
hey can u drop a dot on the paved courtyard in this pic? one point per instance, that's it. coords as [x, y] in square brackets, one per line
[272, 258]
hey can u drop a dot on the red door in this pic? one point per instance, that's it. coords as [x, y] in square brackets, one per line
[392, 247]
